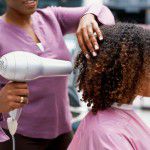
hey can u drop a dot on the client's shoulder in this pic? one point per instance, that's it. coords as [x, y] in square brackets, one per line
[109, 119]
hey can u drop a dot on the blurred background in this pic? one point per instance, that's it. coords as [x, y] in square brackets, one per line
[134, 11]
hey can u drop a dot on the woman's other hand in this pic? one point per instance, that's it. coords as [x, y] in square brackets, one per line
[87, 32]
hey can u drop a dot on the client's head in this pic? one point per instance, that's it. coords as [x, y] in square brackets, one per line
[120, 72]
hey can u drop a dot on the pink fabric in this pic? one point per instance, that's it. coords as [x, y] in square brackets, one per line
[112, 129]
[3, 136]
[145, 26]
[106, 19]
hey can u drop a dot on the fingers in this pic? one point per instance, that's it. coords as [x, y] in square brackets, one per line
[18, 100]
[82, 44]
[86, 39]
[97, 30]
[20, 85]
[21, 92]
[17, 89]
[14, 105]
[16, 85]
[12, 93]
[92, 37]
[14, 102]
[90, 40]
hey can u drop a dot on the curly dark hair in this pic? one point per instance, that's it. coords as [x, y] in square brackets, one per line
[113, 75]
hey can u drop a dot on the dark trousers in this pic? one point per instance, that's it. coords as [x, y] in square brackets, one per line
[26, 143]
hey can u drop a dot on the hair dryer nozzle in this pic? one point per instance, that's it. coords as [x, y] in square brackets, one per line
[24, 66]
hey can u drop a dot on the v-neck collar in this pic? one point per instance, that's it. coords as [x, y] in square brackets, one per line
[22, 31]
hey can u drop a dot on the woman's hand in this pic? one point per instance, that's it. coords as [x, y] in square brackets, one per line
[10, 96]
[86, 31]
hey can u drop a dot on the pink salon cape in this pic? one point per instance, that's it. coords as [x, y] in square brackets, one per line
[117, 128]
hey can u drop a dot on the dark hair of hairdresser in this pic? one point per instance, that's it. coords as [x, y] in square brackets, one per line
[116, 73]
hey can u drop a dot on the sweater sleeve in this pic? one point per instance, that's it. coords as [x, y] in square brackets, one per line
[69, 18]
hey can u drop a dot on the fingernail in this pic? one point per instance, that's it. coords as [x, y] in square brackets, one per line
[96, 47]
[95, 34]
[94, 54]
[101, 38]
[87, 56]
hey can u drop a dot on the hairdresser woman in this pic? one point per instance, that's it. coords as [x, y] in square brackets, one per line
[45, 121]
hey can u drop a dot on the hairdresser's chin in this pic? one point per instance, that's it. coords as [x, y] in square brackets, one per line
[24, 7]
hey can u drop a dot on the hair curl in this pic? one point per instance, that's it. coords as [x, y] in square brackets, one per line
[113, 75]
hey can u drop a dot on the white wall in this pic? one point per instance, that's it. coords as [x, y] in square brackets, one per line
[87, 2]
